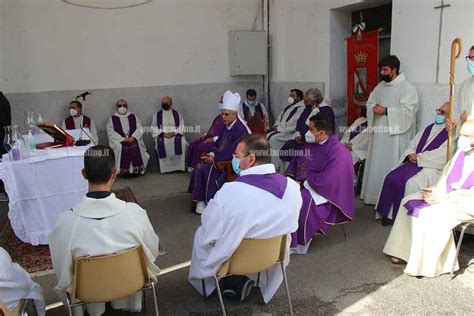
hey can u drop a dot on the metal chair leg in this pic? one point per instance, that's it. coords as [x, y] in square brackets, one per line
[144, 301]
[220, 295]
[157, 313]
[258, 279]
[286, 287]
[344, 232]
[204, 289]
[68, 305]
[458, 249]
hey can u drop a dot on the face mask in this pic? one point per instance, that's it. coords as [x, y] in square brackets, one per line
[464, 144]
[470, 67]
[220, 106]
[122, 110]
[440, 119]
[165, 106]
[236, 165]
[291, 100]
[73, 112]
[309, 137]
[386, 78]
[251, 103]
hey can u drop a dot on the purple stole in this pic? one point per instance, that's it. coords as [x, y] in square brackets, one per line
[69, 121]
[415, 206]
[273, 183]
[358, 130]
[393, 188]
[160, 142]
[258, 109]
[130, 151]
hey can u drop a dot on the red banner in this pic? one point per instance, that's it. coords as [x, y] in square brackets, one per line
[362, 73]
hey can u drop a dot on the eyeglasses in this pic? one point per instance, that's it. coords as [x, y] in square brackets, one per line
[122, 105]
[237, 156]
[441, 111]
[468, 58]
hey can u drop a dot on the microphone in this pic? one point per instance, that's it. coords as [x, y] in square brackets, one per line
[83, 95]
[83, 142]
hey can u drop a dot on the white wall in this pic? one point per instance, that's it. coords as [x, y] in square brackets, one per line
[48, 45]
[415, 37]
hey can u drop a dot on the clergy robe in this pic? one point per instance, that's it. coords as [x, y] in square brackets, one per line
[259, 204]
[422, 233]
[327, 174]
[101, 224]
[171, 151]
[358, 137]
[254, 116]
[72, 122]
[465, 100]
[284, 129]
[206, 178]
[16, 284]
[198, 147]
[129, 157]
[389, 134]
[408, 177]
[291, 147]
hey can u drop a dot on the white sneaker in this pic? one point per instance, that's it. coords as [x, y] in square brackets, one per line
[190, 169]
[3, 197]
[200, 207]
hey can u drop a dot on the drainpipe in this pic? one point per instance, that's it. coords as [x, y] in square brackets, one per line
[266, 27]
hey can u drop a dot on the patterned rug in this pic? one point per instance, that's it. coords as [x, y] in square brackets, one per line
[37, 259]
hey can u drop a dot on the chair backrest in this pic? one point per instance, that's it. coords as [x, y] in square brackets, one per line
[109, 277]
[227, 167]
[255, 255]
[15, 312]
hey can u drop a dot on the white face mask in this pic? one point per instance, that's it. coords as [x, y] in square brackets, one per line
[309, 137]
[73, 112]
[464, 144]
[291, 100]
[122, 110]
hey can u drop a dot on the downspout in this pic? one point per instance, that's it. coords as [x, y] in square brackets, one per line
[266, 78]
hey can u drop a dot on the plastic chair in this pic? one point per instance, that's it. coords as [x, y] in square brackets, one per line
[19, 310]
[109, 277]
[254, 256]
[464, 226]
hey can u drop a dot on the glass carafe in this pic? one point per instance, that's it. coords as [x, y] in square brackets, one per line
[30, 122]
[12, 133]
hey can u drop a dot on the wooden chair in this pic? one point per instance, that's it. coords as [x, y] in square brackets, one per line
[19, 310]
[254, 256]
[109, 277]
[229, 171]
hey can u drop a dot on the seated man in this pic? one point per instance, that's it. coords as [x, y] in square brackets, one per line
[259, 204]
[315, 104]
[356, 137]
[168, 132]
[16, 284]
[422, 233]
[325, 171]
[205, 143]
[254, 113]
[284, 128]
[125, 133]
[420, 166]
[77, 120]
[206, 178]
[101, 224]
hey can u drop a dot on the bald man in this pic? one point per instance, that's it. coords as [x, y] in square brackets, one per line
[168, 132]
[420, 166]
[422, 233]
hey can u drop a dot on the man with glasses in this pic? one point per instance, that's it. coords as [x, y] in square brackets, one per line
[125, 133]
[420, 166]
[206, 178]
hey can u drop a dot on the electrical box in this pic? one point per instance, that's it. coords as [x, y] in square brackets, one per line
[247, 53]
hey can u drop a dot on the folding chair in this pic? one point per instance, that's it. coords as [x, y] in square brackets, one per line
[19, 310]
[464, 226]
[109, 277]
[254, 256]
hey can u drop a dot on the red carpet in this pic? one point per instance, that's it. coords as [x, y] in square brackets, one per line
[37, 258]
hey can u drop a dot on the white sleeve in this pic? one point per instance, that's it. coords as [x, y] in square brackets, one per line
[114, 137]
[138, 134]
[180, 129]
[156, 131]
[401, 118]
[93, 131]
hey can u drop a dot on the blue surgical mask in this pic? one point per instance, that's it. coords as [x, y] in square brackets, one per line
[309, 137]
[236, 165]
[470, 67]
[220, 106]
[440, 119]
[464, 144]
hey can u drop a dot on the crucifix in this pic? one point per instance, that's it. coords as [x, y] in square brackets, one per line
[441, 6]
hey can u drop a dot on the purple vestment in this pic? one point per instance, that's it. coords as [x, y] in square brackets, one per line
[69, 122]
[206, 178]
[130, 151]
[329, 171]
[274, 183]
[415, 206]
[292, 146]
[160, 141]
[359, 129]
[198, 147]
[393, 189]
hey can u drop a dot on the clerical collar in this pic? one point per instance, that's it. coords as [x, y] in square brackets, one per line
[98, 194]
[232, 124]
[259, 169]
[324, 141]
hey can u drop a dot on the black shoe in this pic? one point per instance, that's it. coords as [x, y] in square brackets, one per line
[386, 221]
[193, 206]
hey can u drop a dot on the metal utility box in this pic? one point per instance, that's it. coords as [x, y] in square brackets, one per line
[247, 53]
